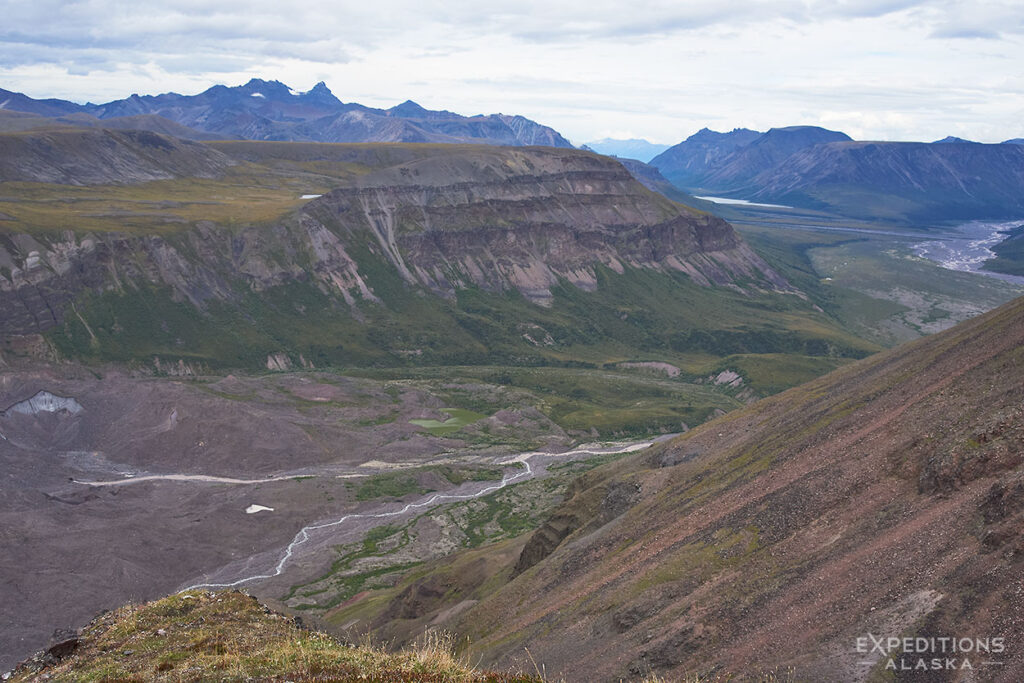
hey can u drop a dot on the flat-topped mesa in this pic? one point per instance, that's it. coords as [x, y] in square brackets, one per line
[527, 219]
[427, 225]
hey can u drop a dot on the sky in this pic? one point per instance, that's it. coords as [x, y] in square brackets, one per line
[654, 69]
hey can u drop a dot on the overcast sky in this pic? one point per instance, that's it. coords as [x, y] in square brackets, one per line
[658, 69]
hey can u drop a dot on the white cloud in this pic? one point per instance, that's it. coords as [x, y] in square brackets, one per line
[659, 68]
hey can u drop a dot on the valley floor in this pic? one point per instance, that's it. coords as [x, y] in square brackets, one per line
[264, 482]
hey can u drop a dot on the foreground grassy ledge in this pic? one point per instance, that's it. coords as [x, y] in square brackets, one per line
[229, 636]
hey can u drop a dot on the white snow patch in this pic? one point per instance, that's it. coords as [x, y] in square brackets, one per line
[729, 377]
[259, 94]
[741, 202]
[45, 402]
[257, 508]
[310, 196]
[295, 93]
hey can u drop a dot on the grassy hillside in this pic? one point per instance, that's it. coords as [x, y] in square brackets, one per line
[1009, 254]
[639, 315]
[228, 636]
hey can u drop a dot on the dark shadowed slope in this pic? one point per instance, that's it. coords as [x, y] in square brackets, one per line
[689, 162]
[913, 180]
[765, 153]
[102, 157]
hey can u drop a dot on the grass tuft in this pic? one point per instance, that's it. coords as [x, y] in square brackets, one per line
[229, 636]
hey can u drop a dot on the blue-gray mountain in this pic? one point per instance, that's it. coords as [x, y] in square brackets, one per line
[270, 110]
[727, 162]
[909, 181]
[805, 166]
[687, 163]
[634, 148]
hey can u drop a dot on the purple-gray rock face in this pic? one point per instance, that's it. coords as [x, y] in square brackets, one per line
[503, 219]
[524, 219]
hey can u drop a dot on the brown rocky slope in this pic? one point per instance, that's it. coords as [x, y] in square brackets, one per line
[883, 500]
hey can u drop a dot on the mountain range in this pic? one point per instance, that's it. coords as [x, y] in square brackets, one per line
[270, 110]
[918, 182]
[806, 166]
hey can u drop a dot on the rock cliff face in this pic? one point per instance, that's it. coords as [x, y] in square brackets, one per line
[525, 220]
[511, 219]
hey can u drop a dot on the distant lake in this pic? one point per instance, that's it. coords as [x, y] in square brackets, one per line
[742, 202]
[968, 248]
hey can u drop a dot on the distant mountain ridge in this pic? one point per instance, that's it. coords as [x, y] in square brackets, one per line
[810, 167]
[686, 163]
[766, 152]
[951, 181]
[270, 110]
[952, 139]
[634, 148]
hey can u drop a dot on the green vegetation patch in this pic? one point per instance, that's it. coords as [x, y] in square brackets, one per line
[389, 485]
[409, 481]
[613, 402]
[458, 419]
[1009, 254]
[388, 556]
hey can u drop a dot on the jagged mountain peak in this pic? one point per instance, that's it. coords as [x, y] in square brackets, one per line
[707, 135]
[408, 108]
[267, 89]
[270, 110]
